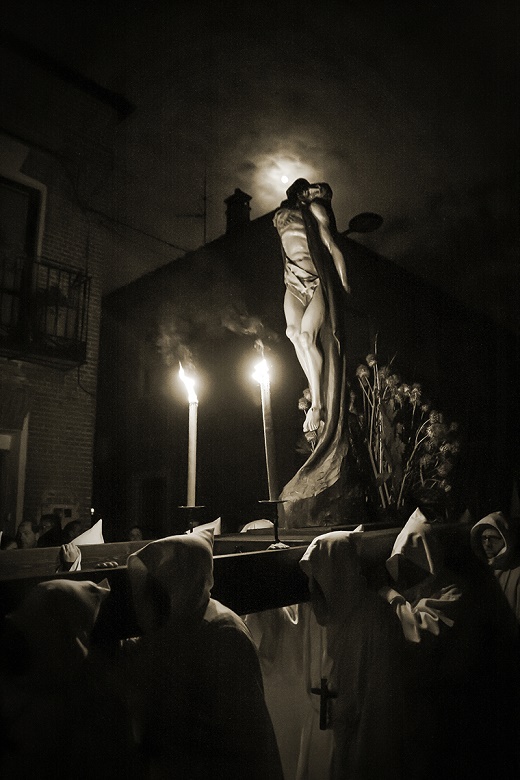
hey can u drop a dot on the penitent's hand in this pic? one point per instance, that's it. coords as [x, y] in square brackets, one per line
[69, 554]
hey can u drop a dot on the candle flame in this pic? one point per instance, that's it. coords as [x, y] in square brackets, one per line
[189, 383]
[261, 373]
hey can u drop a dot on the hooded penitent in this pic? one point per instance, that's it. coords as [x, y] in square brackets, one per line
[335, 582]
[497, 523]
[363, 642]
[42, 679]
[56, 620]
[171, 580]
[193, 679]
[423, 596]
[459, 663]
[506, 563]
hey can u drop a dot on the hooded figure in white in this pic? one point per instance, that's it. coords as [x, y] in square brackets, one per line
[363, 644]
[458, 671]
[194, 682]
[494, 541]
[387, 650]
[423, 598]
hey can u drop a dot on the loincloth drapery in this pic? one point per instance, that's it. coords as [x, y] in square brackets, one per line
[299, 282]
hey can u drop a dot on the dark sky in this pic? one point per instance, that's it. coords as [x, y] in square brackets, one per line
[408, 109]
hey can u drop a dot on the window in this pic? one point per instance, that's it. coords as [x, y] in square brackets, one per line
[43, 302]
[19, 207]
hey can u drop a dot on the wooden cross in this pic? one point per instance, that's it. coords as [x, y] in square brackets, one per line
[324, 694]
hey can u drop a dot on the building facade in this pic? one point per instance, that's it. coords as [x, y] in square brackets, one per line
[54, 150]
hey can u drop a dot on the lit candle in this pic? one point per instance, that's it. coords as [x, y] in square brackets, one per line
[193, 402]
[261, 375]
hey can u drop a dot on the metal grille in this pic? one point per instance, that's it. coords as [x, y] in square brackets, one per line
[43, 308]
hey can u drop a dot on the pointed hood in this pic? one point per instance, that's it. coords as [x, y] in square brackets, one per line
[56, 620]
[415, 549]
[499, 523]
[171, 579]
[426, 594]
[332, 565]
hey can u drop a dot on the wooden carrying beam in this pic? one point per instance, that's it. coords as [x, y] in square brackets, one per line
[244, 581]
[42, 562]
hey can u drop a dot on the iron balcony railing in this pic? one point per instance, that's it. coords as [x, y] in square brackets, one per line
[44, 309]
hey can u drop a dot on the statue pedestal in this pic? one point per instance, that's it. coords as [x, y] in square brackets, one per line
[322, 509]
[317, 497]
[334, 490]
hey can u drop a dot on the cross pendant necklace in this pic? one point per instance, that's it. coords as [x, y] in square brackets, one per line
[325, 695]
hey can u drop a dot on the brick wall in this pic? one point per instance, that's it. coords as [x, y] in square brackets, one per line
[67, 134]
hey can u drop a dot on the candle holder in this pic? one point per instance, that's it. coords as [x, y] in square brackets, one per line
[273, 506]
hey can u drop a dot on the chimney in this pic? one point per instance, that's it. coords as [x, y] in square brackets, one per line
[237, 210]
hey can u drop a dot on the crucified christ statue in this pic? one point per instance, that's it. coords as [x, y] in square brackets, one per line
[305, 304]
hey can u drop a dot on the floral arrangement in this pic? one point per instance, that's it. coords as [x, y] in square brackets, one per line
[411, 448]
